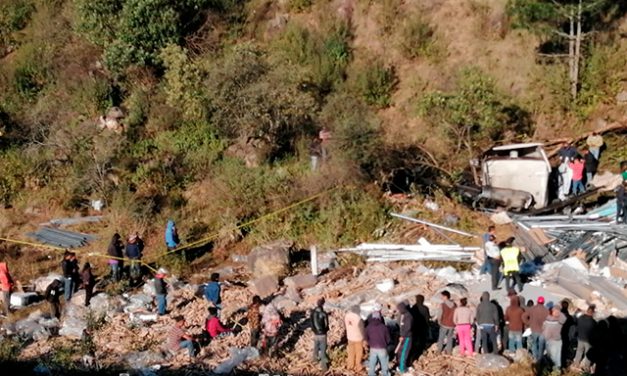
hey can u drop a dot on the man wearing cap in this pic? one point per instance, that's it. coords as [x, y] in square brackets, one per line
[378, 338]
[320, 327]
[355, 337]
[551, 331]
[161, 290]
[534, 317]
[511, 259]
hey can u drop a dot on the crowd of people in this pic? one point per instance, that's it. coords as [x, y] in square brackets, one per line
[576, 170]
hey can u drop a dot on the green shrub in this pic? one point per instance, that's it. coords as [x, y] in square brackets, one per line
[376, 84]
[300, 5]
[417, 38]
[183, 84]
[601, 77]
[475, 114]
[14, 16]
[356, 130]
[14, 171]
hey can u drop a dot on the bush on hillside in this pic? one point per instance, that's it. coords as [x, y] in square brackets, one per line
[322, 55]
[475, 114]
[183, 81]
[355, 130]
[251, 101]
[14, 15]
[135, 31]
[376, 83]
[417, 38]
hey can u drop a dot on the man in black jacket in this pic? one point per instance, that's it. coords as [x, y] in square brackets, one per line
[590, 165]
[585, 327]
[69, 266]
[53, 293]
[320, 327]
[488, 319]
[421, 327]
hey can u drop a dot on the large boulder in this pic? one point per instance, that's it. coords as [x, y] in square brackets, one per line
[272, 259]
[264, 286]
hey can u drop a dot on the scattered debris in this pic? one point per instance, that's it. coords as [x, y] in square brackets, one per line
[61, 238]
[405, 252]
[73, 221]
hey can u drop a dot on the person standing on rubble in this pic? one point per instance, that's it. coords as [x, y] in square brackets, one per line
[567, 332]
[621, 202]
[586, 325]
[577, 166]
[53, 296]
[69, 266]
[378, 339]
[115, 252]
[447, 325]
[213, 291]
[534, 317]
[355, 337]
[161, 291]
[320, 327]
[271, 322]
[514, 320]
[590, 166]
[6, 285]
[422, 325]
[179, 339]
[485, 267]
[595, 143]
[88, 281]
[254, 320]
[551, 331]
[488, 319]
[134, 253]
[511, 257]
[567, 155]
[493, 254]
[404, 342]
[464, 317]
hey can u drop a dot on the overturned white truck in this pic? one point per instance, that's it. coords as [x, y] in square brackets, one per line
[515, 176]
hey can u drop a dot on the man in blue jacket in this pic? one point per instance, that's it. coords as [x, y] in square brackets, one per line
[213, 290]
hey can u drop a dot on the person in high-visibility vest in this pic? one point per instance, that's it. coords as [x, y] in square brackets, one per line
[510, 256]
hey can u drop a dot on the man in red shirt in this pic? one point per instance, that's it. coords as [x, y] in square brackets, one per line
[213, 325]
[577, 166]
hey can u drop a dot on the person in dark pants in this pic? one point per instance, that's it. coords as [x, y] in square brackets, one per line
[485, 267]
[590, 165]
[134, 253]
[565, 333]
[488, 319]
[254, 320]
[621, 202]
[88, 282]
[420, 313]
[320, 327]
[445, 314]
[404, 342]
[213, 291]
[115, 251]
[493, 253]
[69, 266]
[511, 257]
[585, 329]
[53, 296]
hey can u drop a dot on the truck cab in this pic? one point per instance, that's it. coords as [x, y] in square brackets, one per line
[522, 167]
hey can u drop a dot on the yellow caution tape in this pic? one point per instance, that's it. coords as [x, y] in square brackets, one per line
[33, 244]
[216, 234]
